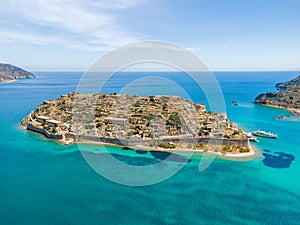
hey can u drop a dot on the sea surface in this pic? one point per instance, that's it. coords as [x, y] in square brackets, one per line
[43, 182]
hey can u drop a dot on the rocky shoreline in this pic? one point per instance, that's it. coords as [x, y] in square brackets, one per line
[287, 98]
[292, 110]
[253, 152]
[10, 73]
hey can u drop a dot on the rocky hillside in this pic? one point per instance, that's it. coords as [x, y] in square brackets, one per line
[10, 73]
[288, 96]
[288, 84]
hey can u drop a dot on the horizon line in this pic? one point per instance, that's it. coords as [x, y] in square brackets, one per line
[173, 71]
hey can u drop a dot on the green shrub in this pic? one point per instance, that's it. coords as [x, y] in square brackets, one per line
[174, 120]
[152, 99]
[68, 118]
[149, 117]
[200, 145]
[243, 150]
[166, 145]
[200, 132]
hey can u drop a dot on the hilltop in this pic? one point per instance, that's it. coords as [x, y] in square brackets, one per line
[288, 96]
[295, 83]
[9, 73]
[163, 122]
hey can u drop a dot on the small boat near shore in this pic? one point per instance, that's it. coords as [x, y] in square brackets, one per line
[250, 137]
[261, 133]
[253, 139]
[234, 103]
[282, 117]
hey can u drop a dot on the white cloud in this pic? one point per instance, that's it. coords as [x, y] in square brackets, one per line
[9, 36]
[86, 24]
[194, 49]
[165, 45]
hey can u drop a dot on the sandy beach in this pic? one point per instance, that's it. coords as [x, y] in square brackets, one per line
[7, 81]
[230, 156]
[293, 110]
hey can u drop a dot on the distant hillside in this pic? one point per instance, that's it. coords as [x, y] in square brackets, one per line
[288, 84]
[288, 96]
[10, 73]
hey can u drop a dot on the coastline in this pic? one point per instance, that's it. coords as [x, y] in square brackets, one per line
[254, 152]
[292, 110]
[7, 81]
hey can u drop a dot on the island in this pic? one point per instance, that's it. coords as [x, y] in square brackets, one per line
[158, 123]
[288, 96]
[9, 73]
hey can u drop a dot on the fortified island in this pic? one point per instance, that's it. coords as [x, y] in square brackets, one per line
[288, 96]
[9, 73]
[151, 122]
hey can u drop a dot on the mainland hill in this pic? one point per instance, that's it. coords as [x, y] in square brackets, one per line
[156, 122]
[9, 73]
[287, 97]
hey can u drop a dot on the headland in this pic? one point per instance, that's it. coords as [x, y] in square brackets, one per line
[287, 97]
[10, 73]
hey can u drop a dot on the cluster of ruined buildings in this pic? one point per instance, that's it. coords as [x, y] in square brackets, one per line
[129, 117]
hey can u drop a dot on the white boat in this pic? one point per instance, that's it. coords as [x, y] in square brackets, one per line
[250, 137]
[247, 135]
[261, 133]
[253, 139]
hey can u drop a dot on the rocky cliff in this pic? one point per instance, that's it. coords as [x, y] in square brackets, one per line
[288, 96]
[11, 73]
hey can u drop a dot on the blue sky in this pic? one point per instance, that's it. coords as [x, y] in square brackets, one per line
[226, 34]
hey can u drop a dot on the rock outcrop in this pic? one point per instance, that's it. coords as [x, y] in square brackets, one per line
[288, 96]
[9, 73]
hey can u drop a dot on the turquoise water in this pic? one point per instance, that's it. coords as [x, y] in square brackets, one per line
[43, 182]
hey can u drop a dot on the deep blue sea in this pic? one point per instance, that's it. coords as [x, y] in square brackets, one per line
[43, 182]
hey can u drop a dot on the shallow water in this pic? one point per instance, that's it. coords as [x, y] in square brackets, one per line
[43, 182]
